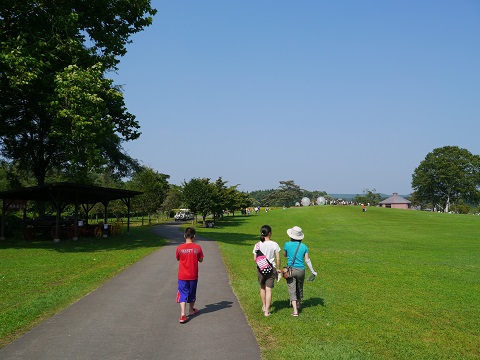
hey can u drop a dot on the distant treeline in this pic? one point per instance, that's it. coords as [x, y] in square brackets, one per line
[264, 197]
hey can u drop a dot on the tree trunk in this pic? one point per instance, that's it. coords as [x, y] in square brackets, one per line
[447, 205]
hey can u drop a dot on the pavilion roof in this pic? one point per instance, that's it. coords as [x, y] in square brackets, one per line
[395, 199]
[68, 193]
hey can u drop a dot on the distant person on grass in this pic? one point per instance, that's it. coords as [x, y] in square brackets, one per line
[297, 254]
[188, 256]
[271, 250]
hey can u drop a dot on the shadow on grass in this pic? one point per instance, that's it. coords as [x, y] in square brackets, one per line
[138, 238]
[226, 237]
[237, 239]
[232, 221]
[306, 303]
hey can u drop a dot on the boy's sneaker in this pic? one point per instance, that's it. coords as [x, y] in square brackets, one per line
[183, 319]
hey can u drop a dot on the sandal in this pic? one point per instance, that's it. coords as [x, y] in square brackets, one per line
[294, 314]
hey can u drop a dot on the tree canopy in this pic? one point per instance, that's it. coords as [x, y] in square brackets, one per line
[370, 196]
[447, 175]
[172, 200]
[57, 108]
[154, 187]
[204, 197]
[287, 194]
[198, 196]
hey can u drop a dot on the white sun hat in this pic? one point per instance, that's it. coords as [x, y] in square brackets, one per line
[295, 233]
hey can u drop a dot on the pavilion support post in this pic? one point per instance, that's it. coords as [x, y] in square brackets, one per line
[105, 220]
[128, 215]
[75, 223]
[56, 237]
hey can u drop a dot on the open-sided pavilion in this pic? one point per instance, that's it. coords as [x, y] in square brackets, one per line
[63, 194]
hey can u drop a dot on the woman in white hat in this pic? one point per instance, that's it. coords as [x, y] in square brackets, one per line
[297, 254]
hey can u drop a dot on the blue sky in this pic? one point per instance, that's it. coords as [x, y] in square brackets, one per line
[339, 96]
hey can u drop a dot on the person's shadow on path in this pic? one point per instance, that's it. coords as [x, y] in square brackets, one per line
[215, 307]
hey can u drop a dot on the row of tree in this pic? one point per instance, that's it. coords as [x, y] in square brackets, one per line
[202, 196]
[287, 194]
[370, 196]
[447, 179]
[448, 176]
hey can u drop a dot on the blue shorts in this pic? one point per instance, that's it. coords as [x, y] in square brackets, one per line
[187, 291]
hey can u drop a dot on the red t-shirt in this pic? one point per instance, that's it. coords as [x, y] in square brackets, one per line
[188, 255]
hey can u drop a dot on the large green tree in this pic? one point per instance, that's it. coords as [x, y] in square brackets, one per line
[446, 176]
[4, 184]
[199, 195]
[237, 200]
[204, 197]
[228, 198]
[219, 198]
[287, 194]
[154, 186]
[57, 108]
[258, 196]
[172, 200]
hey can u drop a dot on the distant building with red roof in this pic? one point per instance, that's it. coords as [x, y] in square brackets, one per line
[396, 202]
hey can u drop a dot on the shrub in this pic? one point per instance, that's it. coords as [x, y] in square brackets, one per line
[463, 209]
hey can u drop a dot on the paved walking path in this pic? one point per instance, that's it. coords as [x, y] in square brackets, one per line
[134, 316]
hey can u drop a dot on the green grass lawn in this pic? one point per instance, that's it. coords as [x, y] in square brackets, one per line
[392, 284]
[38, 279]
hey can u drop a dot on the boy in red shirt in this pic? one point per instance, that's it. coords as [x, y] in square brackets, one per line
[188, 255]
